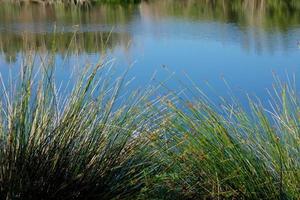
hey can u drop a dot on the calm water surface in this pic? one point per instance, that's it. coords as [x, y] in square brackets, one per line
[242, 41]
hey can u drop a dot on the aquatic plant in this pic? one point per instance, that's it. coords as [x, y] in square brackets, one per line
[229, 151]
[90, 141]
[93, 139]
[79, 142]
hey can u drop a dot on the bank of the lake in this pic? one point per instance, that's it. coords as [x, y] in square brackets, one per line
[159, 99]
[99, 142]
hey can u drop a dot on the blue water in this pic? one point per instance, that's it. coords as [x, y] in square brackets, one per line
[206, 49]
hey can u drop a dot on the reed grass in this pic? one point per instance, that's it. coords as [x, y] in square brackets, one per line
[229, 152]
[92, 141]
[83, 144]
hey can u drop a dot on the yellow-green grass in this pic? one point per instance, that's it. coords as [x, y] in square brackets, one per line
[96, 140]
[85, 142]
[229, 152]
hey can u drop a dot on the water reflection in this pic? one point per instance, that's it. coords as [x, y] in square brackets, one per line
[244, 40]
[63, 44]
[71, 29]
[278, 14]
[254, 24]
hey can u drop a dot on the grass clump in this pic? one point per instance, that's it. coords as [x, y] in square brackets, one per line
[213, 152]
[90, 141]
[82, 144]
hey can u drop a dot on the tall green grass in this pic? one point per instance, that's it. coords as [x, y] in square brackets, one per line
[228, 151]
[85, 142]
[96, 140]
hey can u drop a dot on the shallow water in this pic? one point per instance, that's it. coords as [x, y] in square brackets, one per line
[243, 42]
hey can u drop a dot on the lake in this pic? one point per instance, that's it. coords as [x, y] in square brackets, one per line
[243, 42]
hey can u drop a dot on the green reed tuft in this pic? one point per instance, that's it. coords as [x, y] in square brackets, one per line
[228, 152]
[82, 144]
[91, 140]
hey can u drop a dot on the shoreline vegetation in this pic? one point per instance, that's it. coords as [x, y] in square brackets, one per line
[96, 140]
